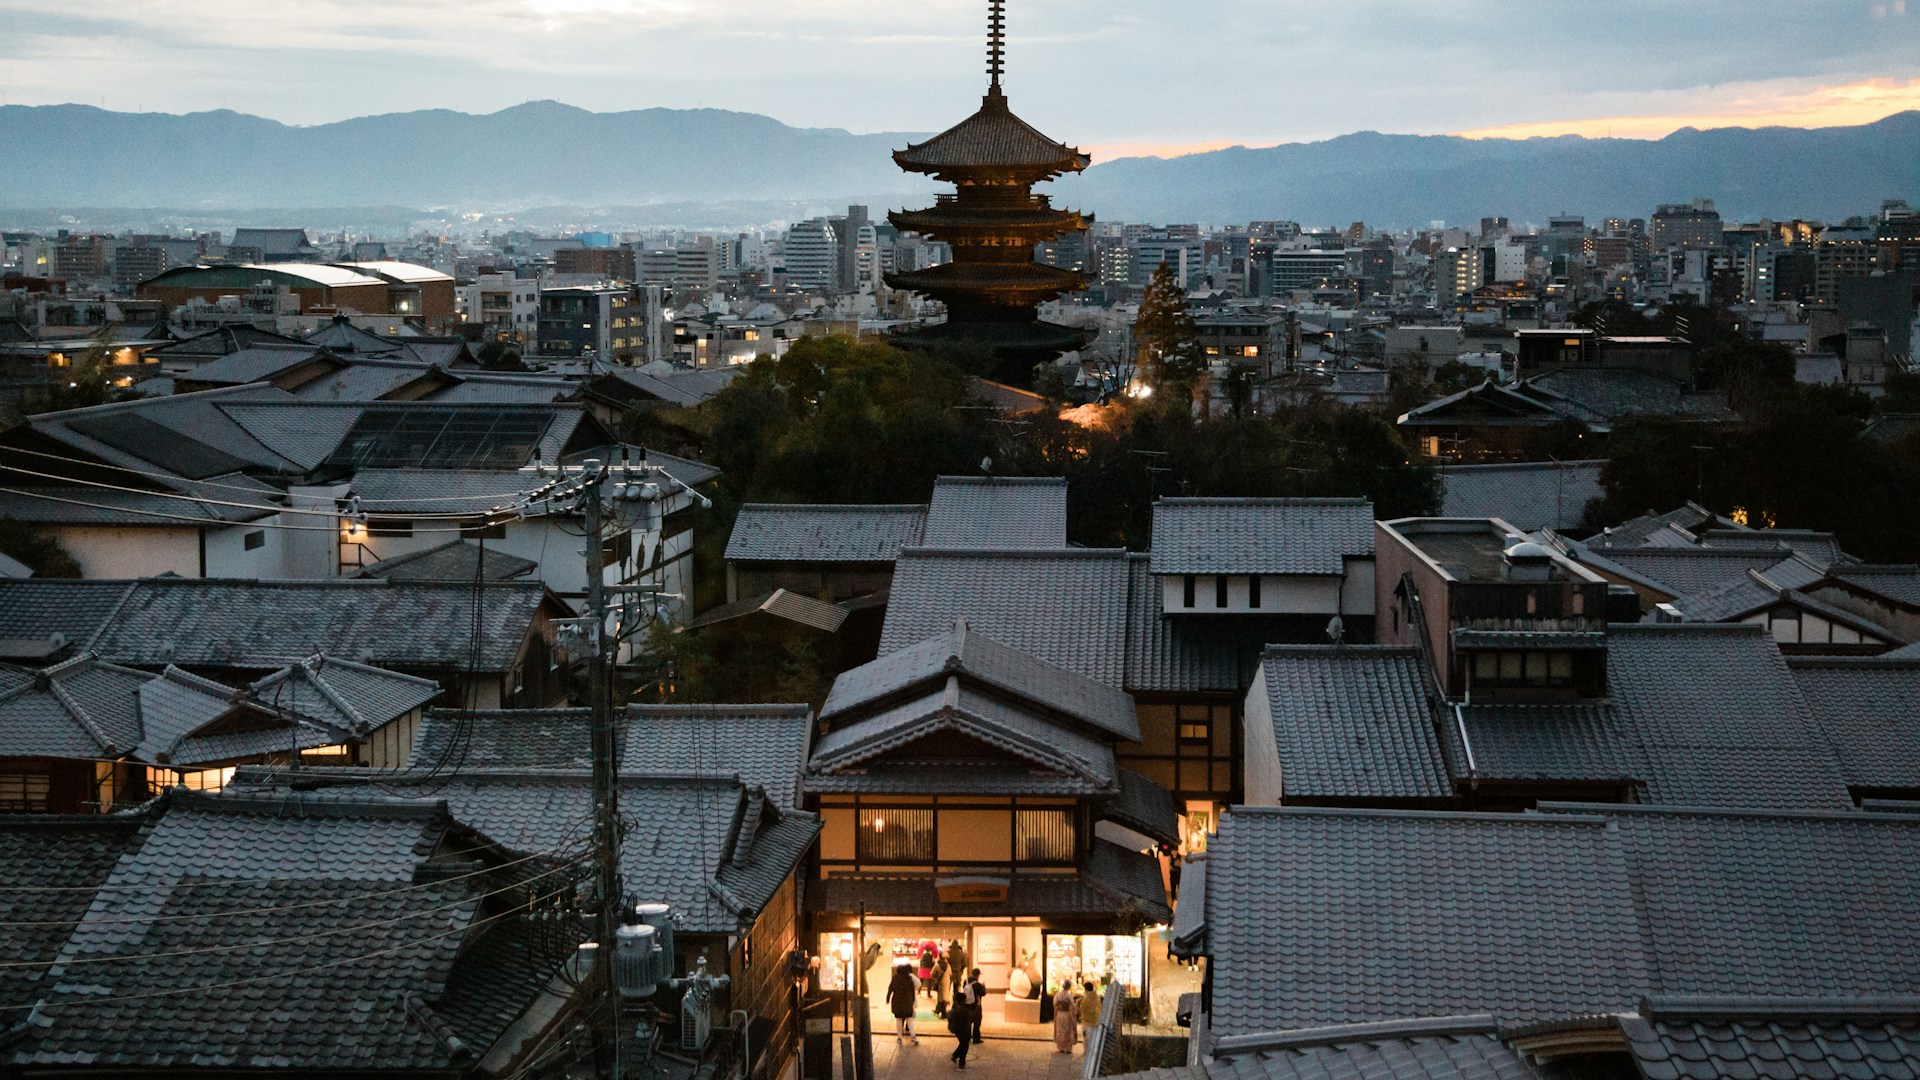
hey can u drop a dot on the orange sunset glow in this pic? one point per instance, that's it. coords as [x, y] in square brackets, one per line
[1827, 106]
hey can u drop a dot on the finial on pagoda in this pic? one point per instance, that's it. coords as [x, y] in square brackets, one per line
[996, 43]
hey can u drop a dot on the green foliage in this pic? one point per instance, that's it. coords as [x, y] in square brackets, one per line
[836, 420]
[1163, 333]
[38, 550]
[1801, 463]
[499, 356]
[83, 384]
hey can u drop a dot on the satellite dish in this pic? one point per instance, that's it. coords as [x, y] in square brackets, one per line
[986, 464]
[1336, 630]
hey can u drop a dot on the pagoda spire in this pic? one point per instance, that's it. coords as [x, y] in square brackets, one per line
[996, 44]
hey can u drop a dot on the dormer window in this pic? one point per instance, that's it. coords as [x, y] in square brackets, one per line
[1514, 668]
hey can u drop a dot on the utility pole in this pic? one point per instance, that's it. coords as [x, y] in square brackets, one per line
[604, 1004]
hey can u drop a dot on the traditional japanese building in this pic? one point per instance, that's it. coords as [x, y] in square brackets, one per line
[993, 222]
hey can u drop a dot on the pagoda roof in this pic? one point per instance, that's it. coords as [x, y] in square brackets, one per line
[992, 138]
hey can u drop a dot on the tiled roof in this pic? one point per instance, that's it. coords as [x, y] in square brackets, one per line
[83, 504]
[267, 624]
[176, 705]
[1572, 640]
[1750, 592]
[962, 650]
[372, 381]
[1636, 532]
[1815, 546]
[1182, 654]
[1776, 1039]
[1897, 582]
[455, 560]
[991, 137]
[1685, 570]
[338, 930]
[681, 831]
[82, 708]
[1317, 917]
[1613, 393]
[764, 745]
[185, 435]
[350, 697]
[50, 865]
[780, 604]
[874, 752]
[255, 364]
[303, 432]
[766, 532]
[1354, 722]
[441, 491]
[1143, 806]
[1066, 607]
[1870, 710]
[997, 512]
[1529, 495]
[35, 609]
[1260, 536]
[1444, 1048]
[1701, 714]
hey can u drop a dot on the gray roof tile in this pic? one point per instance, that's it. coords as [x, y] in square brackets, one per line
[764, 745]
[1870, 710]
[1687, 570]
[1419, 1049]
[1777, 1039]
[336, 928]
[1177, 654]
[1065, 607]
[1701, 714]
[1750, 592]
[1897, 582]
[453, 561]
[765, 532]
[1528, 495]
[352, 698]
[50, 864]
[997, 512]
[1354, 722]
[1113, 876]
[1260, 536]
[1334, 917]
[82, 708]
[975, 657]
[1317, 917]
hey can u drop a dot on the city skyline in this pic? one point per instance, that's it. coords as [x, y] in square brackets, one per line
[1288, 72]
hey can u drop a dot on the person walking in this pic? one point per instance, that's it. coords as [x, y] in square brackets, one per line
[1089, 1010]
[960, 1022]
[940, 978]
[957, 964]
[903, 995]
[979, 992]
[1065, 1031]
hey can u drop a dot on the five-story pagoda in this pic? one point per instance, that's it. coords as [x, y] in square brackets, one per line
[993, 222]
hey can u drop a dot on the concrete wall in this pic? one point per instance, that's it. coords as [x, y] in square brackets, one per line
[1261, 768]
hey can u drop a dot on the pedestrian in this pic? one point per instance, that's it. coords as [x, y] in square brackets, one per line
[940, 977]
[1089, 1010]
[902, 995]
[957, 964]
[979, 997]
[1065, 1031]
[960, 1022]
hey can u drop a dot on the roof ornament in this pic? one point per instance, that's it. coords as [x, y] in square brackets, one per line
[996, 44]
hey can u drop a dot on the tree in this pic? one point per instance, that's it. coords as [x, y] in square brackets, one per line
[1164, 336]
[499, 356]
[83, 383]
[39, 551]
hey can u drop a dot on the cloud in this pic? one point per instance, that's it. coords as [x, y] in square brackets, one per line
[1825, 106]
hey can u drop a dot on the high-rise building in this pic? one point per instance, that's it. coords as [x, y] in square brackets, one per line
[993, 222]
[811, 253]
[1696, 225]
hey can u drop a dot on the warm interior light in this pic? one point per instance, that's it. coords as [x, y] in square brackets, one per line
[879, 824]
[845, 949]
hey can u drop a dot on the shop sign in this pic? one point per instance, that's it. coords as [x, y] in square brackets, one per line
[971, 890]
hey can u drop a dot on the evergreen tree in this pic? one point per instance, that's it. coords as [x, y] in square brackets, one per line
[1168, 346]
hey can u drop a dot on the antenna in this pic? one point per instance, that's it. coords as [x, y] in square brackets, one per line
[996, 43]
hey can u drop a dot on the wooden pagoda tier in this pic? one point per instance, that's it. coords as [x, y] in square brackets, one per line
[992, 222]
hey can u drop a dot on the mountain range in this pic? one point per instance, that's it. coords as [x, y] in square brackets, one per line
[544, 153]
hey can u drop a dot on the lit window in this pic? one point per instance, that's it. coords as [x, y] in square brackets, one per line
[26, 793]
[206, 779]
[895, 835]
[1043, 836]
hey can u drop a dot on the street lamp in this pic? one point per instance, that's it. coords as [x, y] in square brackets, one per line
[845, 949]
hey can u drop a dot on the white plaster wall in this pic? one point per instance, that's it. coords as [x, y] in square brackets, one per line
[1262, 754]
[118, 552]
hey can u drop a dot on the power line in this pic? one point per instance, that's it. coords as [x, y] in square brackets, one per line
[164, 516]
[272, 508]
[251, 489]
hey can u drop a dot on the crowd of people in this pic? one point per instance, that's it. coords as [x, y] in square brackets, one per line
[959, 996]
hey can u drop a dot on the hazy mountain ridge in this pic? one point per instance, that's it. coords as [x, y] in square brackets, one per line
[545, 153]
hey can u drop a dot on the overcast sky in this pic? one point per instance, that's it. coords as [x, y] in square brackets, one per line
[1115, 76]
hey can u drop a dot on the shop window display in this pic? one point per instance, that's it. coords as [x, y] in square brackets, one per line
[1107, 959]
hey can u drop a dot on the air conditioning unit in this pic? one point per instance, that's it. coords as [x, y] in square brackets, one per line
[696, 1018]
